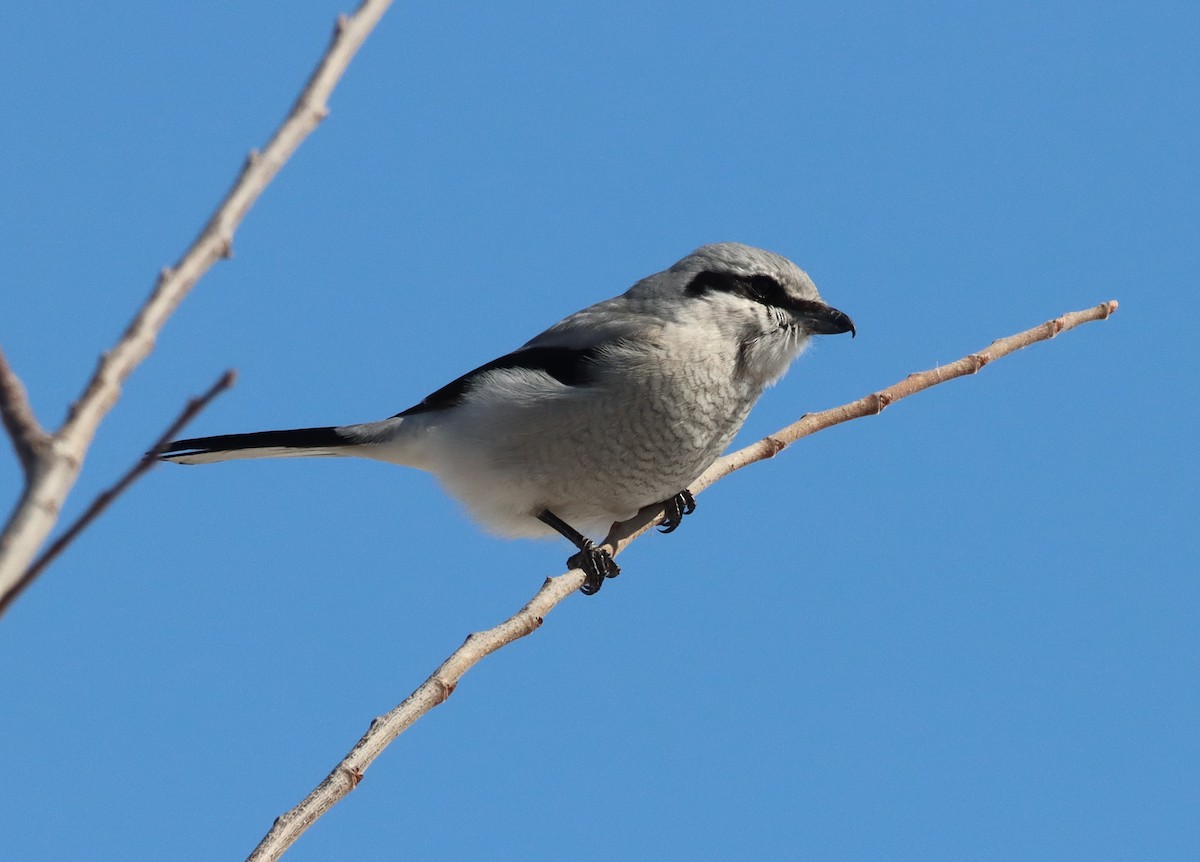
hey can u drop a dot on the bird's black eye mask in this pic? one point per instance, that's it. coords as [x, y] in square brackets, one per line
[756, 288]
[762, 289]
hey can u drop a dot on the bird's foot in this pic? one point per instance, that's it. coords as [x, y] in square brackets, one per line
[681, 504]
[597, 564]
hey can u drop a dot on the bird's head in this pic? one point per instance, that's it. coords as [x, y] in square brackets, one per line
[765, 287]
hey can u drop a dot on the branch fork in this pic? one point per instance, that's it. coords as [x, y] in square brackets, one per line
[51, 462]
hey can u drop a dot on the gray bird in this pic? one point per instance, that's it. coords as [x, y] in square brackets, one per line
[618, 406]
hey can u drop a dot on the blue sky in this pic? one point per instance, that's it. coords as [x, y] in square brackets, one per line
[964, 629]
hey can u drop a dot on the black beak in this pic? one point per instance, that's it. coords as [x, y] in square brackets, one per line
[823, 320]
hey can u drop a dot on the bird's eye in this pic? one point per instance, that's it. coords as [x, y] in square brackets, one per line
[764, 289]
[758, 288]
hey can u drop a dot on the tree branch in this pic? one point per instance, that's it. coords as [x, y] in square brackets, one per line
[442, 682]
[28, 438]
[53, 472]
[869, 405]
[105, 498]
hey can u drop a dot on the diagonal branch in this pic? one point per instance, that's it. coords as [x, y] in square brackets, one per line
[56, 468]
[869, 405]
[106, 497]
[442, 682]
[28, 438]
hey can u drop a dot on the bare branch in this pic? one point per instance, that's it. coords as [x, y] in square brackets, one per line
[441, 684]
[105, 498]
[28, 438]
[386, 728]
[58, 467]
[622, 534]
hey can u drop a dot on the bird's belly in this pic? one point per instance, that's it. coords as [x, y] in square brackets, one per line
[591, 461]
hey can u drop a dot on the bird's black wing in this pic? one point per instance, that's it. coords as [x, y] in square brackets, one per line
[571, 366]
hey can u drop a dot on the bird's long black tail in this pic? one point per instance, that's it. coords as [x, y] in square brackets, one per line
[292, 443]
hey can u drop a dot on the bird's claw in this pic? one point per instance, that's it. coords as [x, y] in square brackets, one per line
[681, 504]
[597, 564]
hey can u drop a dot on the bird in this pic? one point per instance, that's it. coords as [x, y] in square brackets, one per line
[617, 406]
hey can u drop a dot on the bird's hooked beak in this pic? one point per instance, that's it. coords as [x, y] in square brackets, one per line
[826, 320]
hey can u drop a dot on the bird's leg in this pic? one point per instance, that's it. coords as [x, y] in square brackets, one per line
[681, 504]
[596, 563]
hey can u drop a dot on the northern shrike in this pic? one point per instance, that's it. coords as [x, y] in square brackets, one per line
[618, 406]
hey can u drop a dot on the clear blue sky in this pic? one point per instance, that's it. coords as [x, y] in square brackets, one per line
[965, 629]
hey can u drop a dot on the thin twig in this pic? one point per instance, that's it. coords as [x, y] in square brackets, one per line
[622, 534]
[58, 466]
[28, 438]
[442, 682]
[105, 498]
